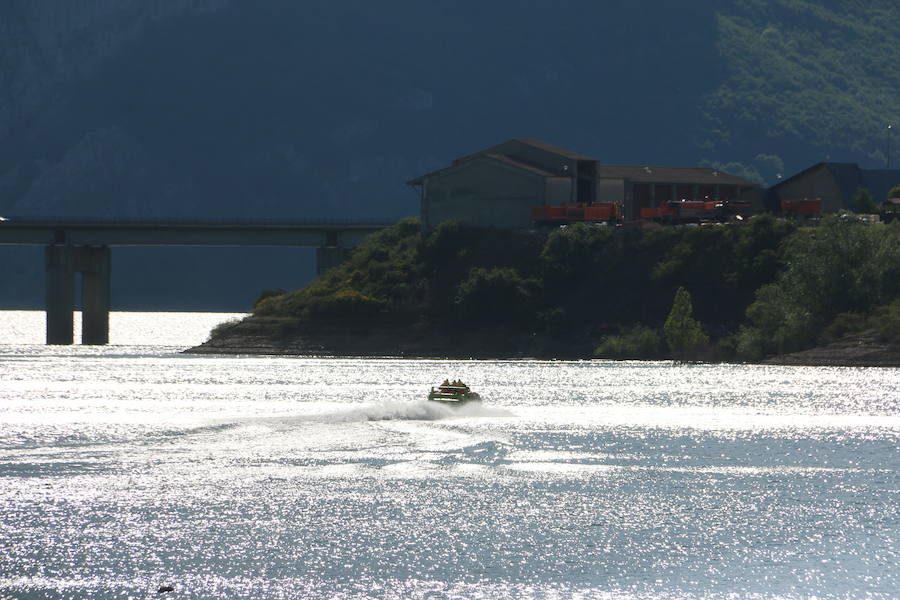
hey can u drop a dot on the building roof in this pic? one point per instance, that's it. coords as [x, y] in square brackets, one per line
[554, 149]
[485, 155]
[684, 175]
[641, 174]
[521, 165]
[528, 142]
[849, 178]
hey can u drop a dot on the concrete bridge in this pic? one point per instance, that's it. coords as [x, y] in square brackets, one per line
[84, 246]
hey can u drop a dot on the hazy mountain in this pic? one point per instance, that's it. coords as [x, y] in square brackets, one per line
[220, 108]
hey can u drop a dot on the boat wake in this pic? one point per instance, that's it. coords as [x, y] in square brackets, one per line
[422, 410]
[414, 411]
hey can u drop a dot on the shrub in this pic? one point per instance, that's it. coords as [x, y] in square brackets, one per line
[886, 321]
[266, 295]
[223, 328]
[638, 342]
[345, 302]
[269, 305]
[863, 203]
[843, 324]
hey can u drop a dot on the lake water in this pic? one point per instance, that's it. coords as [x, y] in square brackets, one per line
[128, 467]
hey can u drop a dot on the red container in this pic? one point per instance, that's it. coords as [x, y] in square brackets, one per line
[539, 213]
[556, 212]
[602, 211]
[803, 207]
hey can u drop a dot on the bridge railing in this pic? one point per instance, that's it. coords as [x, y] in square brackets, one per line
[237, 221]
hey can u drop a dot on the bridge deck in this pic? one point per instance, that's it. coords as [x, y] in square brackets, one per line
[161, 233]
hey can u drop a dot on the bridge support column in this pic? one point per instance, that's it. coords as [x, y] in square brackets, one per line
[94, 264]
[60, 293]
[62, 262]
[328, 258]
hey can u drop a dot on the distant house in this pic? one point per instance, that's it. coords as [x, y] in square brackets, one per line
[835, 184]
[497, 187]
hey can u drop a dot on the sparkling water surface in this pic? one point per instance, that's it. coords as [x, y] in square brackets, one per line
[131, 466]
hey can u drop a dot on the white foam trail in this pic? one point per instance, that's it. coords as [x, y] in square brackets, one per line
[405, 411]
[422, 410]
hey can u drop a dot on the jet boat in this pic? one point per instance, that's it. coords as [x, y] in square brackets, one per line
[453, 393]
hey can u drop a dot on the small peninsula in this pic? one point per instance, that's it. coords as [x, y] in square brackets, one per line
[766, 290]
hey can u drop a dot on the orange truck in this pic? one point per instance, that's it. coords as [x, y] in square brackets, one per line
[575, 212]
[696, 211]
[807, 207]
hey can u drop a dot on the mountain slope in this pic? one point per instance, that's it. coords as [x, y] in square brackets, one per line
[221, 109]
[806, 81]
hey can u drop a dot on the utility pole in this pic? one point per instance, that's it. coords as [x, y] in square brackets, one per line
[889, 132]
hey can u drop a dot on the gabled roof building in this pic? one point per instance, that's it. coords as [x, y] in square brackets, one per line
[835, 183]
[497, 187]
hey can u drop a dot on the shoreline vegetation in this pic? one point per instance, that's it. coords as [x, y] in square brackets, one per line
[764, 291]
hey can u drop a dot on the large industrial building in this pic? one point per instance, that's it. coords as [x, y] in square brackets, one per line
[834, 184]
[499, 186]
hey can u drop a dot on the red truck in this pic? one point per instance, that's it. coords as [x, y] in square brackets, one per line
[807, 207]
[576, 212]
[697, 211]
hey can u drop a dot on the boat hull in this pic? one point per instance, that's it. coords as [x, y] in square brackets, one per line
[454, 399]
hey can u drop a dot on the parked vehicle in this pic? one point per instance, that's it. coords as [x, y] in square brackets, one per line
[807, 207]
[697, 211]
[576, 212]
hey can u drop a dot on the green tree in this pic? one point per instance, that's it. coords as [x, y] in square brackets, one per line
[838, 267]
[497, 296]
[895, 192]
[637, 343]
[684, 333]
[863, 203]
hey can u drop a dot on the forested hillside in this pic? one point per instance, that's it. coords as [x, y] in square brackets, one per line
[803, 82]
[283, 109]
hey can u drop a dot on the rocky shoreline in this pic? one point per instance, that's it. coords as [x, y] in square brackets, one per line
[851, 351]
[255, 337]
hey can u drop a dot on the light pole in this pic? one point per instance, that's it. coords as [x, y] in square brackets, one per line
[889, 128]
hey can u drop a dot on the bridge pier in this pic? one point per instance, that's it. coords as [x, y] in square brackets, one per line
[93, 262]
[60, 294]
[328, 257]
